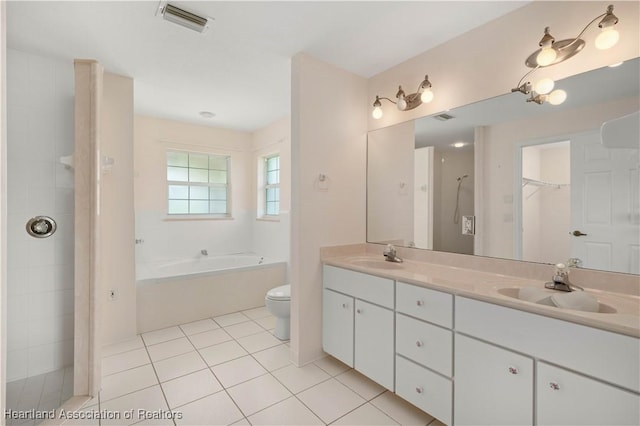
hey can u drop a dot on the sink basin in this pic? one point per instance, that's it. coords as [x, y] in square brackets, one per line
[375, 263]
[515, 291]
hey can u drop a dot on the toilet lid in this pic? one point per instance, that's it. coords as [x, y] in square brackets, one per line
[280, 293]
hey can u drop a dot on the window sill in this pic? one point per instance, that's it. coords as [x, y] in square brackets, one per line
[268, 218]
[178, 217]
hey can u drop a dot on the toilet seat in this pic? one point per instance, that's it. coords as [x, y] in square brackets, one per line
[280, 293]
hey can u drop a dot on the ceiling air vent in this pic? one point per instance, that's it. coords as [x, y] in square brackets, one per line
[443, 117]
[185, 18]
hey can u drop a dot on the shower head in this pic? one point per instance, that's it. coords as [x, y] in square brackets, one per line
[462, 177]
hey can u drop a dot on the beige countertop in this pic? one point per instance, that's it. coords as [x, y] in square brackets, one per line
[495, 288]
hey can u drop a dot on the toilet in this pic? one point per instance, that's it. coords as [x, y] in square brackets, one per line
[278, 302]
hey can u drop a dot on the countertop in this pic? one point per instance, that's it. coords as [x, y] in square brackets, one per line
[486, 286]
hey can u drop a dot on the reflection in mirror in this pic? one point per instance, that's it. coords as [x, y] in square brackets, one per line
[538, 177]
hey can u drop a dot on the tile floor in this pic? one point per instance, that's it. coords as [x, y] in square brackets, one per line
[231, 370]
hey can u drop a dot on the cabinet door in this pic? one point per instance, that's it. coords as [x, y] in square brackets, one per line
[493, 386]
[566, 398]
[374, 351]
[337, 326]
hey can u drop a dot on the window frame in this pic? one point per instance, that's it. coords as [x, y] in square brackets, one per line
[263, 186]
[226, 186]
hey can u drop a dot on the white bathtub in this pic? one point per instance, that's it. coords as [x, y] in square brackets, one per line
[180, 291]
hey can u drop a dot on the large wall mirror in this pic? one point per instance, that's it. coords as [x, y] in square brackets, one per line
[513, 179]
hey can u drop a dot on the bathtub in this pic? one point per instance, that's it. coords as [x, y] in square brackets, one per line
[176, 292]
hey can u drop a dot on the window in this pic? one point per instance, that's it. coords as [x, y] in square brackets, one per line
[197, 184]
[272, 185]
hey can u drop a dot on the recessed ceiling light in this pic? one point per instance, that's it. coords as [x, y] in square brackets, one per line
[458, 144]
[206, 114]
[617, 64]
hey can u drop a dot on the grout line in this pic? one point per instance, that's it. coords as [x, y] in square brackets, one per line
[166, 401]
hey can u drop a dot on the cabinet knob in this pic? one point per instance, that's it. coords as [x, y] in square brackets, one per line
[554, 386]
[345, 305]
[419, 389]
[359, 311]
[419, 343]
[420, 302]
[513, 370]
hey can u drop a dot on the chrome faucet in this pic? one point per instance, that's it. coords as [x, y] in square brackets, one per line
[204, 252]
[390, 254]
[561, 280]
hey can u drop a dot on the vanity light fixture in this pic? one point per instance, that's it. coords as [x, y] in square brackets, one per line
[405, 102]
[553, 52]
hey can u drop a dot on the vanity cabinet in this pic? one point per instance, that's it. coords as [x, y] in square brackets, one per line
[494, 386]
[358, 322]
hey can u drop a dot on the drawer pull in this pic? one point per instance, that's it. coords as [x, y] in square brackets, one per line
[419, 343]
[554, 386]
[419, 389]
[513, 370]
[345, 305]
[420, 302]
[359, 311]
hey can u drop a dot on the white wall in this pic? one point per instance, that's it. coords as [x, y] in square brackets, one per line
[40, 271]
[117, 218]
[3, 207]
[166, 238]
[390, 162]
[271, 238]
[328, 136]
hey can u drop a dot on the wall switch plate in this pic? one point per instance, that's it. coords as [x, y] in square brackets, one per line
[468, 225]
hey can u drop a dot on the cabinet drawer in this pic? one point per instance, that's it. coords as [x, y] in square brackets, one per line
[565, 398]
[362, 286]
[605, 355]
[429, 305]
[424, 389]
[424, 343]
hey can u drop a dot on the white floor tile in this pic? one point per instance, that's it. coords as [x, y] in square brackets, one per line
[230, 319]
[259, 341]
[331, 365]
[124, 361]
[258, 393]
[365, 416]
[163, 335]
[155, 422]
[188, 388]
[256, 313]
[216, 409]
[199, 326]
[268, 323]
[360, 384]
[243, 422]
[223, 352]
[170, 348]
[208, 338]
[127, 381]
[275, 357]
[243, 329]
[400, 410]
[124, 346]
[180, 365]
[149, 399]
[330, 400]
[436, 422]
[288, 412]
[237, 371]
[297, 379]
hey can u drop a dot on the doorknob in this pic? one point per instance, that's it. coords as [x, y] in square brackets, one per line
[577, 233]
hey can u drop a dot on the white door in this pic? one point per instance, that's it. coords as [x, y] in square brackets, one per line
[337, 325]
[374, 349]
[423, 198]
[605, 205]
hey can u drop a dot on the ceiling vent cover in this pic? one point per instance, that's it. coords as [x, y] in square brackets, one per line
[443, 117]
[184, 18]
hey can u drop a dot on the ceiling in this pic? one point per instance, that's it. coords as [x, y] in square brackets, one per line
[241, 68]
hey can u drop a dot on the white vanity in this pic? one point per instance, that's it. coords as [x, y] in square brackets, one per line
[451, 343]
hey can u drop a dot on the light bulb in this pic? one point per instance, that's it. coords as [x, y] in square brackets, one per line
[377, 113]
[557, 97]
[546, 56]
[402, 104]
[426, 96]
[544, 86]
[607, 38]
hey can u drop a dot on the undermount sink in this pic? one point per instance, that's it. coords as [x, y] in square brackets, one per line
[514, 292]
[375, 263]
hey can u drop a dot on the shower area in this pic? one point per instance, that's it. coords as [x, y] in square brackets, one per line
[40, 242]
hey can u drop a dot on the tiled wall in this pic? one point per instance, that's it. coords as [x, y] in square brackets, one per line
[40, 271]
